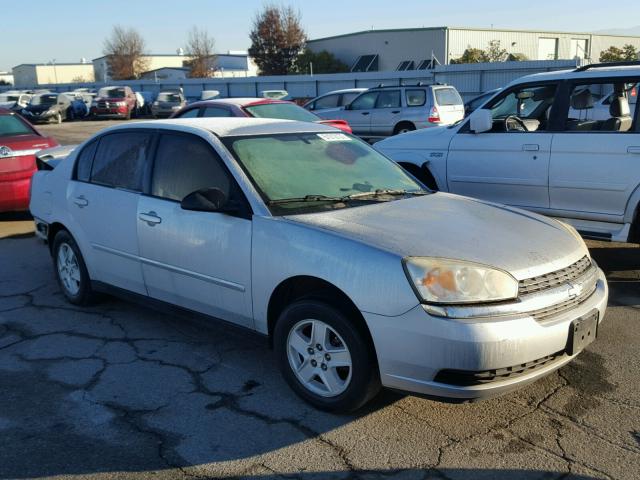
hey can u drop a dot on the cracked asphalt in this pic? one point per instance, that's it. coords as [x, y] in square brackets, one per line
[118, 390]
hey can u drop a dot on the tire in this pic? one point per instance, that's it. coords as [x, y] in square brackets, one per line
[66, 255]
[70, 115]
[404, 127]
[339, 388]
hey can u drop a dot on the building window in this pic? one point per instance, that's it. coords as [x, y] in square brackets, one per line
[365, 63]
[406, 65]
[427, 65]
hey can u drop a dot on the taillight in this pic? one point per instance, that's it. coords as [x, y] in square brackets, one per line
[434, 115]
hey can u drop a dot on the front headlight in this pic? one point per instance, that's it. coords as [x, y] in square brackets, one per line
[440, 280]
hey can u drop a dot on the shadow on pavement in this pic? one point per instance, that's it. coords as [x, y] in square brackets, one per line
[621, 264]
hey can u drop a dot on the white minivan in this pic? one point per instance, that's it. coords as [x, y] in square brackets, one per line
[539, 144]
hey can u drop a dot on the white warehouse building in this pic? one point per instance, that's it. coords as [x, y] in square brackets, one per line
[421, 48]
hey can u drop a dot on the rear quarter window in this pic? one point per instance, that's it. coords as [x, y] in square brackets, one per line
[85, 161]
[416, 98]
[447, 96]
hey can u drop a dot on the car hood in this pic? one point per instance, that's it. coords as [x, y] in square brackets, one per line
[431, 138]
[450, 226]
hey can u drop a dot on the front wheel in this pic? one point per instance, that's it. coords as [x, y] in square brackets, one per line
[324, 357]
[71, 270]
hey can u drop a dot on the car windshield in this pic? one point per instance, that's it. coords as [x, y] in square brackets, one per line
[111, 93]
[169, 97]
[282, 111]
[10, 125]
[319, 170]
[46, 99]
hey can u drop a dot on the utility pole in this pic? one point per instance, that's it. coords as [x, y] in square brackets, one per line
[55, 72]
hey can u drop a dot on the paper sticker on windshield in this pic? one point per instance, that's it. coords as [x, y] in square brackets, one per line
[334, 137]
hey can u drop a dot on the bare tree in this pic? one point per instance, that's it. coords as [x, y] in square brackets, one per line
[200, 50]
[125, 50]
[277, 39]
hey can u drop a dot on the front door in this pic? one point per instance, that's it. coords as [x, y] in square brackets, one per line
[358, 113]
[198, 260]
[387, 112]
[103, 202]
[510, 163]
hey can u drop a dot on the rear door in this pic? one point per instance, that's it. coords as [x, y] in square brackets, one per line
[449, 104]
[103, 199]
[595, 163]
[198, 260]
[386, 113]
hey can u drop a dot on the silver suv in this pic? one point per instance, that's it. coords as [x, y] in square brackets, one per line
[384, 111]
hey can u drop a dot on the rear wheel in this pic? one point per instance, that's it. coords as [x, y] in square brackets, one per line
[404, 127]
[70, 269]
[324, 357]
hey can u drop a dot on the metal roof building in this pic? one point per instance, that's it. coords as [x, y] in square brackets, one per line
[421, 48]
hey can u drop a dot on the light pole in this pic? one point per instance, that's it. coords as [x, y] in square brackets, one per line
[55, 72]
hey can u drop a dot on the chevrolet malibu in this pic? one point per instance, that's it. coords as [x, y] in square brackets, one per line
[359, 276]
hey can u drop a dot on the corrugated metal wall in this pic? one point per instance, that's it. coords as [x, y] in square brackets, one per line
[470, 80]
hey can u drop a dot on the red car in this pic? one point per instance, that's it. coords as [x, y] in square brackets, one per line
[255, 107]
[19, 142]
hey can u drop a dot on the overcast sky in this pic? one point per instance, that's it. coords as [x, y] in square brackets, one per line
[68, 30]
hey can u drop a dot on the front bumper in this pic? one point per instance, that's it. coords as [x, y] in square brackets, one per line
[413, 348]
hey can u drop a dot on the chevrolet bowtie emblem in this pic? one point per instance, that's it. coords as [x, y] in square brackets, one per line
[574, 291]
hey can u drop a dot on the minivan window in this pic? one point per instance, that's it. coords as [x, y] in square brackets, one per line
[120, 160]
[416, 98]
[447, 97]
[184, 164]
[85, 161]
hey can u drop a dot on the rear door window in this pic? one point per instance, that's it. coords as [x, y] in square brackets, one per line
[85, 161]
[120, 160]
[191, 113]
[388, 99]
[447, 97]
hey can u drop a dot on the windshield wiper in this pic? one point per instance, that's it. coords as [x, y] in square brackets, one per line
[306, 198]
[383, 193]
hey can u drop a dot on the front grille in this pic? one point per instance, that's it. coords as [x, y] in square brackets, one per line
[545, 313]
[466, 378]
[554, 279]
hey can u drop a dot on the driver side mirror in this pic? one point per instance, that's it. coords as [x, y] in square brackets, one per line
[481, 121]
[347, 106]
[208, 200]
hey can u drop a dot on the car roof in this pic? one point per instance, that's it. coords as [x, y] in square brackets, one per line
[601, 71]
[344, 90]
[231, 126]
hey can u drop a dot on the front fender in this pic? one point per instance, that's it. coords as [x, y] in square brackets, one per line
[373, 279]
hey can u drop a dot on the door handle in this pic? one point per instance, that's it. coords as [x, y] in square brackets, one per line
[365, 113]
[530, 147]
[395, 111]
[635, 150]
[151, 218]
[80, 201]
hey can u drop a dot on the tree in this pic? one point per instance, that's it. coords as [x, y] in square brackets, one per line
[277, 38]
[614, 54]
[495, 53]
[200, 50]
[125, 50]
[4, 82]
[78, 79]
[323, 62]
[472, 55]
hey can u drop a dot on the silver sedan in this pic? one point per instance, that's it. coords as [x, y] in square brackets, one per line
[358, 275]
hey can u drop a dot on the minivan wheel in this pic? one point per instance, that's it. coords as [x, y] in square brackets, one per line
[324, 357]
[70, 269]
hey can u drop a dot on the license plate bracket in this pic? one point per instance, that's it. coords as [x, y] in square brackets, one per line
[582, 332]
